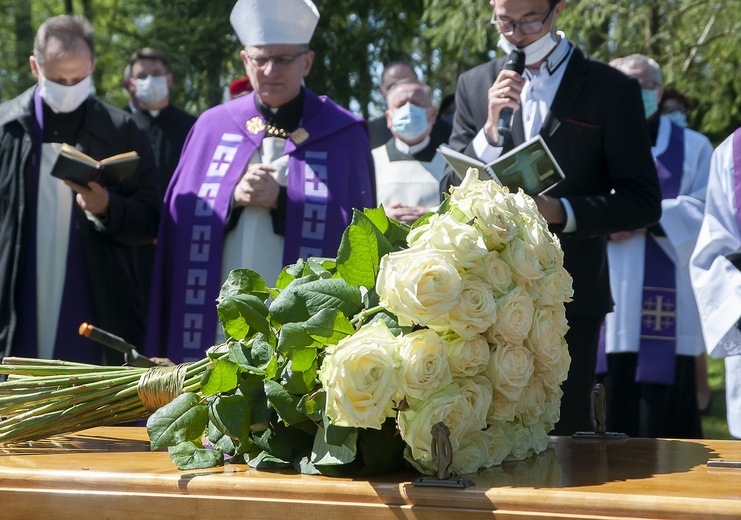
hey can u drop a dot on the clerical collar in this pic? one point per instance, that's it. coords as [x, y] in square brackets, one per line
[287, 116]
[63, 127]
[411, 149]
[555, 59]
[153, 113]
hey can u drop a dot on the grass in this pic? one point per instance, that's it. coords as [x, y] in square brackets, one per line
[714, 424]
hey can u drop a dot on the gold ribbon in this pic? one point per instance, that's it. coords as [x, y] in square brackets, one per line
[159, 385]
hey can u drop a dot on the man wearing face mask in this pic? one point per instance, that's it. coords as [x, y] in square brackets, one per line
[653, 336]
[167, 126]
[66, 256]
[592, 119]
[409, 170]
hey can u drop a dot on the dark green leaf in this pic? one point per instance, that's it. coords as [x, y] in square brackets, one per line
[312, 405]
[252, 387]
[299, 382]
[221, 442]
[191, 455]
[284, 403]
[329, 326]
[302, 299]
[290, 273]
[267, 461]
[293, 336]
[232, 415]
[324, 454]
[242, 315]
[183, 419]
[382, 450]
[244, 281]
[392, 322]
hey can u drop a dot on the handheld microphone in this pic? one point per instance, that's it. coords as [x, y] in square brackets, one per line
[515, 62]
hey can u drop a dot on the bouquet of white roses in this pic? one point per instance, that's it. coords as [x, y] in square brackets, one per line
[344, 367]
[459, 320]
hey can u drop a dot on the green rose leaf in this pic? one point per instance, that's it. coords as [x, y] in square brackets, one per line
[303, 299]
[265, 460]
[392, 322]
[242, 315]
[294, 336]
[284, 403]
[290, 273]
[324, 454]
[252, 387]
[360, 252]
[231, 415]
[191, 455]
[396, 232]
[218, 440]
[382, 450]
[303, 359]
[245, 281]
[312, 405]
[221, 378]
[299, 382]
[328, 327]
[183, 419]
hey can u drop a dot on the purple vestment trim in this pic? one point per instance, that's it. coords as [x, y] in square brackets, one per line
[656, 352]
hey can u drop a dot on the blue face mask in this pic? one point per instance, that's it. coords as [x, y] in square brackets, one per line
[678, 117]
[650, 101]
[410, 122]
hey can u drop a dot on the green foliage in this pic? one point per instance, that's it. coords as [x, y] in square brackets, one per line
[260, 397]
[694, 42]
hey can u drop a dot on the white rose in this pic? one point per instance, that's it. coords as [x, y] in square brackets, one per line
[447, 406]
[473, 453]
[555, 288]
[424, 364]
[532, 403]
[467, 358]
[523, 260]
[510, 368]
[445, 233]
[499, 445]
[496, 272]
[360, 379]
[520, 438]
[498, 221]
[501, 409]
[473, 313]
[545, 338]
[515, 313]
[418, 285]
[539, 439]
[478, 393]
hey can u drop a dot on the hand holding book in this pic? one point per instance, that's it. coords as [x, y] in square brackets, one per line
[73, 165]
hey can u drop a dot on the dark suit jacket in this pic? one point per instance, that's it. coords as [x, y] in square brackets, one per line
[596, 129]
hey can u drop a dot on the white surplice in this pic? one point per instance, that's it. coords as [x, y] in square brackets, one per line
[717, 283]
[409, 182]
[680, 219]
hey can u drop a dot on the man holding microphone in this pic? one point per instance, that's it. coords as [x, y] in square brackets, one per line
[592, 119]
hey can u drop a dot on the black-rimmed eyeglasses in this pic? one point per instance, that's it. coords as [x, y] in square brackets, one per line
[280, 60]
[508, 28]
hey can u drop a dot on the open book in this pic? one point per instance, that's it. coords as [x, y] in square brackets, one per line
[73, 165]
[529, 166]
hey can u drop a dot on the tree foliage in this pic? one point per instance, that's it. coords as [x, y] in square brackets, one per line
[694, 42]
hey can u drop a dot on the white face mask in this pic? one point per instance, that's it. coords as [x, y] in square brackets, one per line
[410, 121]
[535, 52]
[151, 90]
[64, 98]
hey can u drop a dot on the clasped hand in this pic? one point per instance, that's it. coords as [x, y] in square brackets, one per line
[257, 187]
[504, 93]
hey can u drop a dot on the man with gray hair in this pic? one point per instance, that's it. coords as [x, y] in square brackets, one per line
[653, 336]
[265, 179]
[66, 256]
[409, 170]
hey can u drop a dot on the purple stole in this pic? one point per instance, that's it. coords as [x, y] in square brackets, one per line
[657, 348]
[328, 174]
[76, 305]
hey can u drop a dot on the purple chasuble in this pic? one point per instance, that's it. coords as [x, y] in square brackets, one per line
[657, 348]
[329, 174]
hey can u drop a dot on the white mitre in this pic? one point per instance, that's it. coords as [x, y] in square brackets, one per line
[274, 22]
